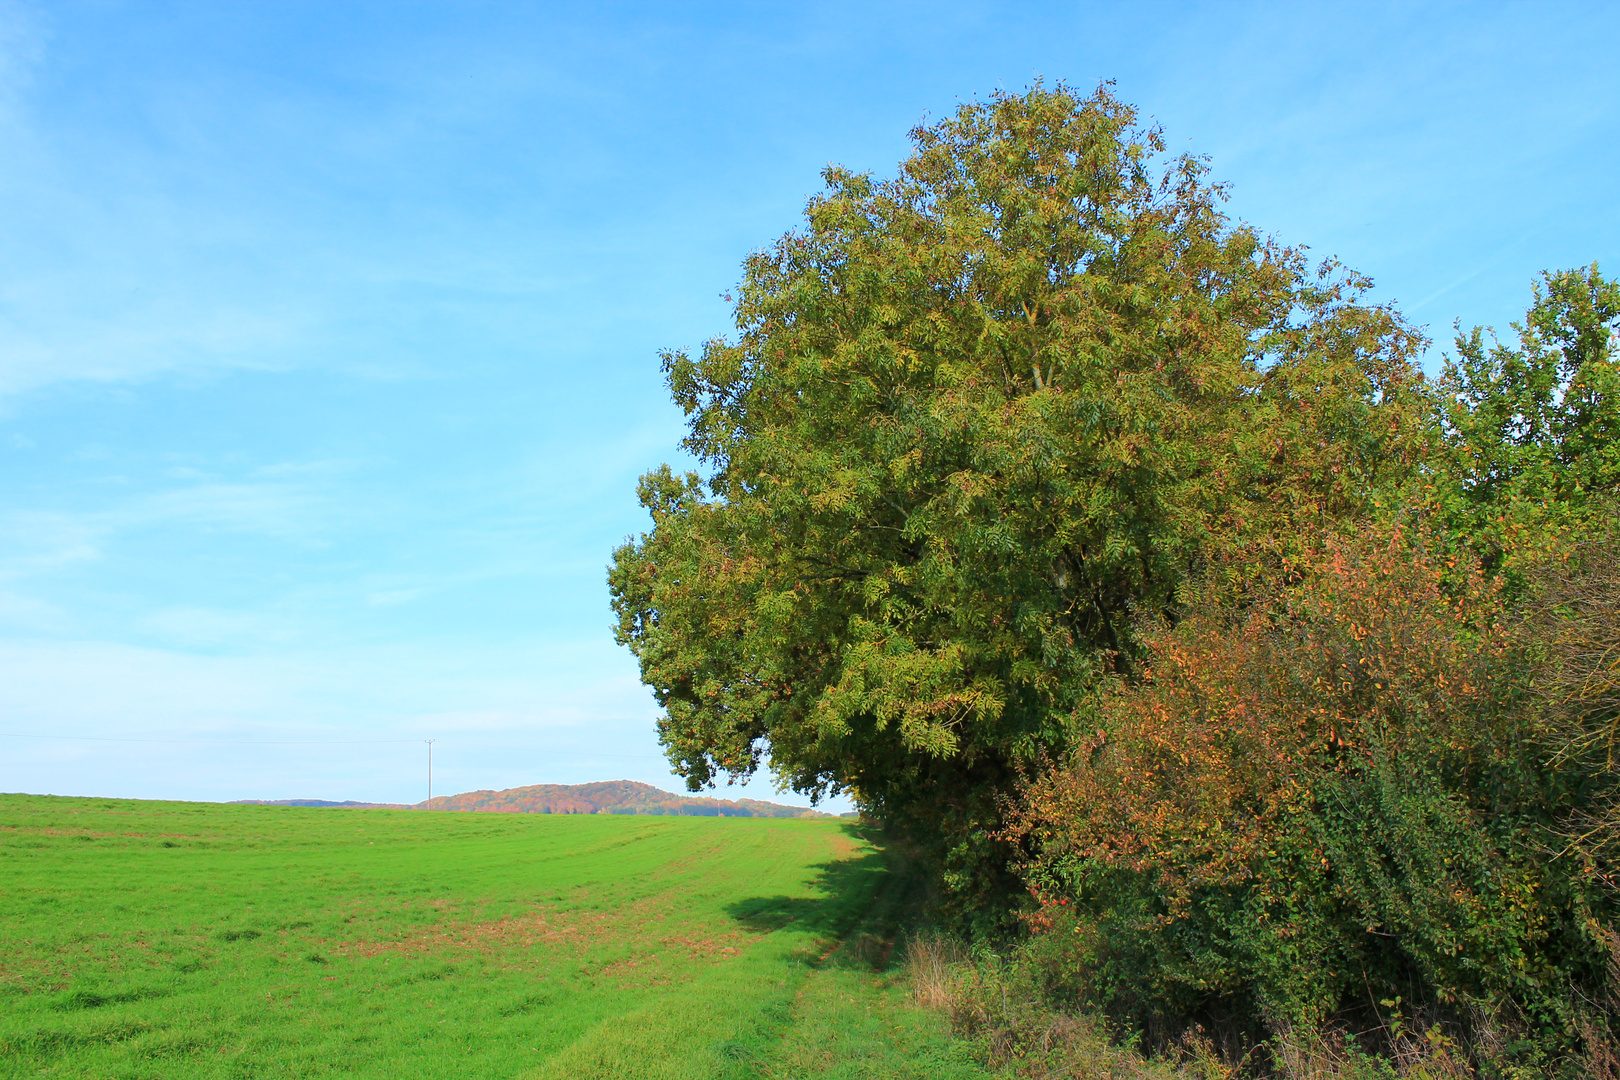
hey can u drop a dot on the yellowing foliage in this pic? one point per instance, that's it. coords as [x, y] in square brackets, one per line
[1339, 788]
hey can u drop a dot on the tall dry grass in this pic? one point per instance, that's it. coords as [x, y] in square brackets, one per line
[933, 965]
[1002, 1014]
[998, 1007]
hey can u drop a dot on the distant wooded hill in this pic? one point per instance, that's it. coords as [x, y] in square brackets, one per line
[607, 797]
[610, 797]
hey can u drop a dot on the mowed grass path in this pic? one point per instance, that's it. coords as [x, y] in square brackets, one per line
[147, 939]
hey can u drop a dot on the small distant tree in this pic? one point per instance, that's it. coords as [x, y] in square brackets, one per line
[972, 419]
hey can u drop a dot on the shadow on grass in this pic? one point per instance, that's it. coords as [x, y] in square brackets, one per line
[858, 905]
[79, 1000]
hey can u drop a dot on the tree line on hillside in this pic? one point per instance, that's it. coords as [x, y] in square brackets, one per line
[1125, 564]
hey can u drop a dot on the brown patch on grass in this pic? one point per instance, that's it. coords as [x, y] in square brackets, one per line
[648, 965]
[55, 830]
[633, 924]
[547, 926]
[509, 931]
[845, 846]
[36, 974]
[719, 947]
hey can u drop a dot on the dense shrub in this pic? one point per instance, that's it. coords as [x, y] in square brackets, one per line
[1337, 797]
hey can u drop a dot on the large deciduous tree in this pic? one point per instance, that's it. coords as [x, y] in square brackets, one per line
[973, 421]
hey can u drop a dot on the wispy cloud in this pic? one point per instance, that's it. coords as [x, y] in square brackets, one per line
[40, 541]
[29, 614]
[210, 628]
[73, 323]
[298, 506]
[287, 510]
[22, 51]
[530, 712]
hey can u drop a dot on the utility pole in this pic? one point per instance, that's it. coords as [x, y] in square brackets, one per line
[430, 743]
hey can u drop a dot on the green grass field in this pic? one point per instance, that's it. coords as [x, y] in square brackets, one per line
[147, 939]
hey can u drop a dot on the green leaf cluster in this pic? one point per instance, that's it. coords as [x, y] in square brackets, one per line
[1532, 431]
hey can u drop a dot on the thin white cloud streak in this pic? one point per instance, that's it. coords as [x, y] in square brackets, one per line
[30, 614]
[347, 530]
[297, 507]
[107, 688]
[39, 542]
[42, 541]
[132, 337]
[1451, 286]
[234, 221]
[541, 712]
[22, 50]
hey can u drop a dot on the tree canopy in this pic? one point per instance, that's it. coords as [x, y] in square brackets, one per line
[974, 419]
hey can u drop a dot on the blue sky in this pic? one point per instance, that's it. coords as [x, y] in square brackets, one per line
[329, 332]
